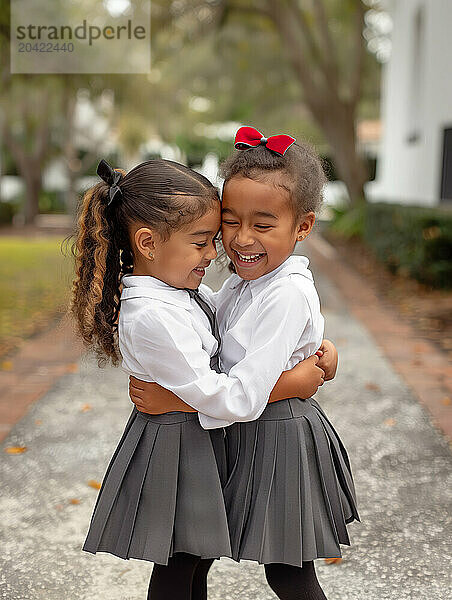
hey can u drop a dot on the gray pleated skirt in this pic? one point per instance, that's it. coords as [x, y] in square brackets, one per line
[162, 492]
[290, 491]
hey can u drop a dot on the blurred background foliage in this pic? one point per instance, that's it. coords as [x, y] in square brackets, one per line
[311, 68]
[300, 67]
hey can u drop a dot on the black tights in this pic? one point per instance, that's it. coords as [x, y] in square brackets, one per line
[183, 578]
[294, 583]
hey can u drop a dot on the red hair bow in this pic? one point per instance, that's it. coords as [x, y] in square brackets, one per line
[248, 137]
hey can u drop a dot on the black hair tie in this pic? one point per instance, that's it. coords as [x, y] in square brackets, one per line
[112, 178]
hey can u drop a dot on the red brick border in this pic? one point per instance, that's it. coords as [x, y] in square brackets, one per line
[34, 369]
[425, 369]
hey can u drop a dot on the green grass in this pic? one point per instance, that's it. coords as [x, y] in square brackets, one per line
[35, 278]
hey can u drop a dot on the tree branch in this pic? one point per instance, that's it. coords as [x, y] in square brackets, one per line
[325, 63]
[300, 17]
[358, 53]
[250, 10]
[331, 68]
[42, 135]
[288, 28]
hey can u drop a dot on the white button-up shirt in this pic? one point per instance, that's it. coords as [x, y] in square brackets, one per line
[165, 337]
[267, 326]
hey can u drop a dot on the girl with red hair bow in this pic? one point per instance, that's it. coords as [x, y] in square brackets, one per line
[289, 491]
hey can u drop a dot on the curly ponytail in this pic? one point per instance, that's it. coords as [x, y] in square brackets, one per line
[96, 288]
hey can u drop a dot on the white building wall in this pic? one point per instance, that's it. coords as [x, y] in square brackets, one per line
[416, 103]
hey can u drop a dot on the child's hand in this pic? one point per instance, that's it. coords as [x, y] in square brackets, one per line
[309, 376]
[328, 359]
[153, 399]
[300, 382]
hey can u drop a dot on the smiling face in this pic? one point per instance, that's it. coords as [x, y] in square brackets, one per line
[181, 259]
[259, 229]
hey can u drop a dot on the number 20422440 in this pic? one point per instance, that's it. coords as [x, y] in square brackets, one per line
[45, 47]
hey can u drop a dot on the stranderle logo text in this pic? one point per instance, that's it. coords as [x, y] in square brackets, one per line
[81, 32]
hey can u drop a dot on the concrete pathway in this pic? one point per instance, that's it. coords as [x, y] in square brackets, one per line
[401, 465]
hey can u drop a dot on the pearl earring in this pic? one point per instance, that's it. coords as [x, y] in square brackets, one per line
[151, 256]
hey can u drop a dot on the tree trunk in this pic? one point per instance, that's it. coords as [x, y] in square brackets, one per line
[334, 113]
[33, 184]
[29, 165]
[336, 119]
[339, 128]
[29, 161]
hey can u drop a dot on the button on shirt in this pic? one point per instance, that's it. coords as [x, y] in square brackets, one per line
[266, 326]
[165, 337]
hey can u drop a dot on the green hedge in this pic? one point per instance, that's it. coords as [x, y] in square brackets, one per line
[49, 202]
[7, 211]
[412, 240]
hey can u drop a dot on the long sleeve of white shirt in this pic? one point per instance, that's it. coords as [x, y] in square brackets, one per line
[276, 330]
[170, 351]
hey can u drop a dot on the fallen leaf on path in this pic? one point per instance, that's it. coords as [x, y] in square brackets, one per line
[38, 422]
[124, 571]
[447, 401]
[72, 368]
[94, 484]
[16, 449]
[372, 386]
[6, 365]
[390, 422]
[74, 501]
[86, 407]
[332, 561]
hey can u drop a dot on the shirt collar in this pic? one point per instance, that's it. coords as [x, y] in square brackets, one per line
[292, 264]
[145, 286]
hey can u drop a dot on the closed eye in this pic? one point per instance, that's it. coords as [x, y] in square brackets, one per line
[229, 222]
[263, 226]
